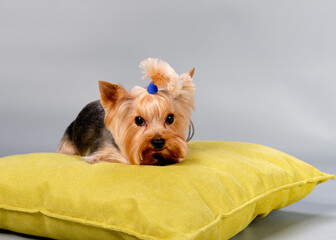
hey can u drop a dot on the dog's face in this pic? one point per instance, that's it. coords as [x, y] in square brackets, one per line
[149, 128]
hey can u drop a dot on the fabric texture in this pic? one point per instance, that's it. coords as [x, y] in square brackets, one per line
[214, 194]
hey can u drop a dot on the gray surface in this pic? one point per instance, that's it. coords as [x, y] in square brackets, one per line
[265, 73]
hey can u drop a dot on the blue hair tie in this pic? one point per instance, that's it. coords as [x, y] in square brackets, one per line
[152, 89]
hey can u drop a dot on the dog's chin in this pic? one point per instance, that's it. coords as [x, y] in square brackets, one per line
[163, 161]
[158, 158]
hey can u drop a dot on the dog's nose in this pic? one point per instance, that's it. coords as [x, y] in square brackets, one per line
[158, 143]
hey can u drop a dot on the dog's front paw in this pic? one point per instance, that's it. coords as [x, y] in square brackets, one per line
[96, 158]
[110, 157]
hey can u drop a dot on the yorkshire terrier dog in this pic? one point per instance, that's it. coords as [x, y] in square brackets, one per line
[145, 126]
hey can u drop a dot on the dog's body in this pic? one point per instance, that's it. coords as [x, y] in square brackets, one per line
[88, 131]
[143, 126]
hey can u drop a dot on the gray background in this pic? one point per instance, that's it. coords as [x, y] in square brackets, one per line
[265, 73]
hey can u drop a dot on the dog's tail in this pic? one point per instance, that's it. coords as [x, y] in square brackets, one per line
[66, 145]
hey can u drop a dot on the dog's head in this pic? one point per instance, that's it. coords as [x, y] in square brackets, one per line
[149, 124]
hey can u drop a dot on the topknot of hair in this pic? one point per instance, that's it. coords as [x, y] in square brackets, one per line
[159, 71]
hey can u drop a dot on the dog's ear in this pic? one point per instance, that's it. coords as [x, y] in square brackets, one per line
[191, 72]
[110, 93]
[187, 92]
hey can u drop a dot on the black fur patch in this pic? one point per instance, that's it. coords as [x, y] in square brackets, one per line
[88, 132]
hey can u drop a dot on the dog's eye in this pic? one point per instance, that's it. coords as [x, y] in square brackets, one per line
[140, 121]
[170, 119]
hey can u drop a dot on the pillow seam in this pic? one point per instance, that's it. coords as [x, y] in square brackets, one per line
[316, 180]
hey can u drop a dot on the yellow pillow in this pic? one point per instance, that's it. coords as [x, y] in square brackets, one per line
[215, 193]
